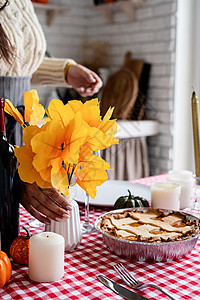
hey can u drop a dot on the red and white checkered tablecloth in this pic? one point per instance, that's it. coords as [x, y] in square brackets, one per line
[180, 277]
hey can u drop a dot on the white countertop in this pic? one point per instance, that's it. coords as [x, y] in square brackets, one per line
[133, 129]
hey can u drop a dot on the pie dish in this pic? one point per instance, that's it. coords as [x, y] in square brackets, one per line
[149, 234]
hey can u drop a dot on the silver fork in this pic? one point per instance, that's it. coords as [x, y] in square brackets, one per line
[136, 284]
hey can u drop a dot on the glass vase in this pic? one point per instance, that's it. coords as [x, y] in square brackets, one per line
[86, 225]
[195, 208]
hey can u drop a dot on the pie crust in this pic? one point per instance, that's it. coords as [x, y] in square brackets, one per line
[152, 226]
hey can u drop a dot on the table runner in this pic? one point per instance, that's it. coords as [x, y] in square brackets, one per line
[180, 277]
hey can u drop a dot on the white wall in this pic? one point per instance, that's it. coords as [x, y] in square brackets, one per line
[152, 37]
[64, 36]
[185, 80]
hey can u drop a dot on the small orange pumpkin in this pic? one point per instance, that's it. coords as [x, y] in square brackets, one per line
[5, 268]
[19, 249]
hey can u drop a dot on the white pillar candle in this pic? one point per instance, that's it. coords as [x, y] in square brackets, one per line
[165, 195]
[46, 257]
[185, 179]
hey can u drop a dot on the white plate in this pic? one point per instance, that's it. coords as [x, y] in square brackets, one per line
[111, 190]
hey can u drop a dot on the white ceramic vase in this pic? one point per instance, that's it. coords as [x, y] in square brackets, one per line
[70, 228]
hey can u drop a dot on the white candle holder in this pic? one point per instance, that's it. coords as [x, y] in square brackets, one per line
[186, 180]
[165, 195]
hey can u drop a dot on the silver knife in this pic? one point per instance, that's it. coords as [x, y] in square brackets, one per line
[119, 289]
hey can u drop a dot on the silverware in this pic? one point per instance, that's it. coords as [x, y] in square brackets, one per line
[136, 284]
[119, 289]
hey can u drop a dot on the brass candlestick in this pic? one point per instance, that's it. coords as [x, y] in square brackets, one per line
[196, 132]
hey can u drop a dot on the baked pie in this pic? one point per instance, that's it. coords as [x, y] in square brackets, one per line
[152, 225]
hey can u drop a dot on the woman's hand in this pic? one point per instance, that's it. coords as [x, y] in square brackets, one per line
[83, 80]
[44, 203]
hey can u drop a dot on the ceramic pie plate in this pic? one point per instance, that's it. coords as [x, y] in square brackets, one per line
[143, 251]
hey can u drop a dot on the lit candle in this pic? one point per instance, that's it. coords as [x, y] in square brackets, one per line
[196, 132]
[165, 195]
[46, 257]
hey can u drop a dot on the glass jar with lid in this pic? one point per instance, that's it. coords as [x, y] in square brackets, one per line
[185, 179]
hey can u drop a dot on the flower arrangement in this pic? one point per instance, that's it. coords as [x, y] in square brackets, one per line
[64, 144]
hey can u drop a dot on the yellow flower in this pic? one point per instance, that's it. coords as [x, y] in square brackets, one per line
[109, 127]
[101, 132]
[65, 144]
[55, 141]
[57, 110]
[59, 176]
[90, 111]
[89, 160]
[34, 111]
[25, 156]
[89, 179]
[11, 110]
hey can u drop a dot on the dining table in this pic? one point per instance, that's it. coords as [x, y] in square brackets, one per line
[179, 277]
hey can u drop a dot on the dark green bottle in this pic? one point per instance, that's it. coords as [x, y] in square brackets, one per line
[9, 206]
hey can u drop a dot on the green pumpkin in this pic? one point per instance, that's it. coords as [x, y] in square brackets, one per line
[129, 201]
